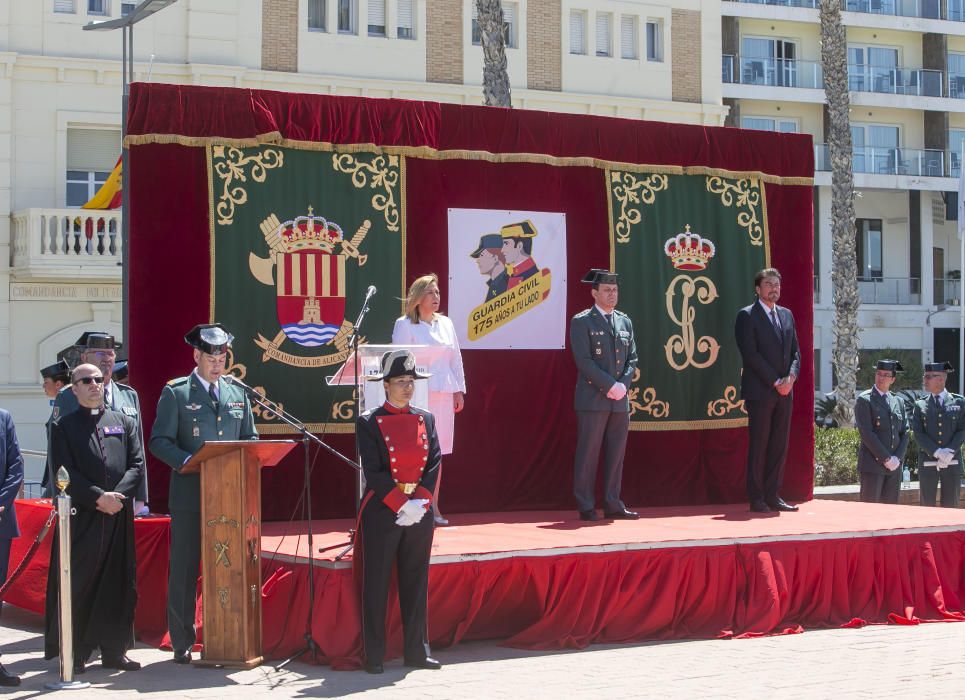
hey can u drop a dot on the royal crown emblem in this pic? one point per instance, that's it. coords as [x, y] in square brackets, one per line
[689, 251]
[306, 264]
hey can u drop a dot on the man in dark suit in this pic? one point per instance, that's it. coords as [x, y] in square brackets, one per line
[939, 424]
[883, 427]
[605, 352]
[399, 452]
[192, 410]
[11, 476]
[769, 350]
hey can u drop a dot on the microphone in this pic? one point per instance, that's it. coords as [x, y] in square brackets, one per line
[232, 379]
[370, 292]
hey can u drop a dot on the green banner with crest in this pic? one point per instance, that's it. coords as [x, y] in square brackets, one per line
[297, 237]
[686, 248]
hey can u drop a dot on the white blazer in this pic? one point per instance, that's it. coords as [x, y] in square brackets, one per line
[447, 373]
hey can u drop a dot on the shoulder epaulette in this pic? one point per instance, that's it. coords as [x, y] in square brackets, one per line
[178, 381]
[583, 314]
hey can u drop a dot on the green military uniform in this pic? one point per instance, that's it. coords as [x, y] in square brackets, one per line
[883, 427]
[187, 417]
[939, 422]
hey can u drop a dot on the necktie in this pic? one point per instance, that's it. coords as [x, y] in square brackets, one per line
[775, 322]
[214, 396]
[107, 397]
[609, 321]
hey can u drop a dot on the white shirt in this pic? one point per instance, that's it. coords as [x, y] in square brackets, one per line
[767, 311]
[447, 373]
[205, 385]
[109, 394]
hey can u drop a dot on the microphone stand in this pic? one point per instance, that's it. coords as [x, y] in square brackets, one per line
[307, 436]
[360, 483]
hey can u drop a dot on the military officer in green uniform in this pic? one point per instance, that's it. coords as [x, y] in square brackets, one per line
[201, 407]
[605, 352]
[939, 425]
[100, 349]
[883, 427]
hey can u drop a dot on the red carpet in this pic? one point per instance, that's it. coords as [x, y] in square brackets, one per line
[544, 580]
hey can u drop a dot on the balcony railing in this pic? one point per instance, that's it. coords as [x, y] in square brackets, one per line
[924, 9]
[773, 72]
[887, 161]
[948, 291]
[86, 242]
[889, 290]
[895, 81]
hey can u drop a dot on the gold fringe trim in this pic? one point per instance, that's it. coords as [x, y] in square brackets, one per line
[429, 153]
[688, 425]
[323, 428]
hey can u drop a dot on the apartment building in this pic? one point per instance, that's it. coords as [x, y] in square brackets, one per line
[60, 101]
[906, 73]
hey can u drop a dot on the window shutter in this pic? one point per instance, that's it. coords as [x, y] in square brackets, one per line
[377, 13]
[93, 149]
[404, 16]
[628, 36]
[64, 6]
[577, 32]
[602, 34]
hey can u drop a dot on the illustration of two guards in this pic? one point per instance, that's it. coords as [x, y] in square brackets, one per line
[506, 258]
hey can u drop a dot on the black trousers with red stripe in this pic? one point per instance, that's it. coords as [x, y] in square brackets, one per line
[385, 544]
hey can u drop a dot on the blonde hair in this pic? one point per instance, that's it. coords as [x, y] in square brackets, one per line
[417, 290]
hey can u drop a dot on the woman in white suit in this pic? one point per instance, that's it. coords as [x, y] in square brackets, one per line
[424, 325]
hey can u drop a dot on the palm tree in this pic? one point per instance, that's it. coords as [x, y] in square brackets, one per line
[495, 77]
[844, 271]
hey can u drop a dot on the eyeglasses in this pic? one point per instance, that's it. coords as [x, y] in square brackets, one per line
[91, 380]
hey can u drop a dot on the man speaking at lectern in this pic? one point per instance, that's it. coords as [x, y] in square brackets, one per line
[201, 407]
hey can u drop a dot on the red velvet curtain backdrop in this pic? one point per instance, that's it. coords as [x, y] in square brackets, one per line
[515, 440]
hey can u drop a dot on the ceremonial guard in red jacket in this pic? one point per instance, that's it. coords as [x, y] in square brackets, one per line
[399, 452]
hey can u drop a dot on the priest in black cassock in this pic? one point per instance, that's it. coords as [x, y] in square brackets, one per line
[101, 451]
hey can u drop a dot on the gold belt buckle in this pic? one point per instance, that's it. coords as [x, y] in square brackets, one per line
[407, 489]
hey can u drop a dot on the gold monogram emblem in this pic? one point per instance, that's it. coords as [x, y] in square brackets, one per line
[685, 343]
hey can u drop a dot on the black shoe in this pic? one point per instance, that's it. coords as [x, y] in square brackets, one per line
[759, 507]
[79, 668]
[374, 668]
[182, 657]
[780, 505]
[427, 662]
[622, 515]
[7, 679]
[121, 663]
[589, 515]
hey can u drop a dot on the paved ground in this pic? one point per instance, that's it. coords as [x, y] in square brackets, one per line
[874, 662]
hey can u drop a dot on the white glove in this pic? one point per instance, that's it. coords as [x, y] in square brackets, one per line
[617, 391]
[892, 463]
[412, 512]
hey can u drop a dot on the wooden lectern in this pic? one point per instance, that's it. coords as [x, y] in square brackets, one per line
[231, 546]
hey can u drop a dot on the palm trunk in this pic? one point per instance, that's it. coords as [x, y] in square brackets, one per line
[496, 91]
[844, 274]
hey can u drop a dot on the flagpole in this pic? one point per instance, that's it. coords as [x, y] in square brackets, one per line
[961, 268]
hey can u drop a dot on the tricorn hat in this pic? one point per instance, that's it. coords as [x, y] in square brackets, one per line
[210, 338]
[939, 367]
[490, 241]
[596, 276]
[97, 340]
[398, 363]
[889, 366]
[59, 372]
[120, 371]
[522, 229]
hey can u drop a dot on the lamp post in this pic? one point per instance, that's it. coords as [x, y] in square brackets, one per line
[126, 23]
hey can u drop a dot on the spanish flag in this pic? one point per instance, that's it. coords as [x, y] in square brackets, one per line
[109, 194]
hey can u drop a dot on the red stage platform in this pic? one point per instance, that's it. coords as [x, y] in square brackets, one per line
[544, 580]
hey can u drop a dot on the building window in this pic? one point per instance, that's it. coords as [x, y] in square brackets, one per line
[91, 155]
[127, 8]
[65, 6]
[604, 25]
[405, 20]
[784, 126]
[376, 17]
[956, 74]
[97, 7]
[578, 32]
[316, 15]
[628, 37]
[956, 142]
[509, 25]
[346, 16]
[654, 40]
[868, 243]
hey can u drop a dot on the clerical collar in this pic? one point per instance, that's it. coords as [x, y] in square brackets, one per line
[92, 411]
[392, 408]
